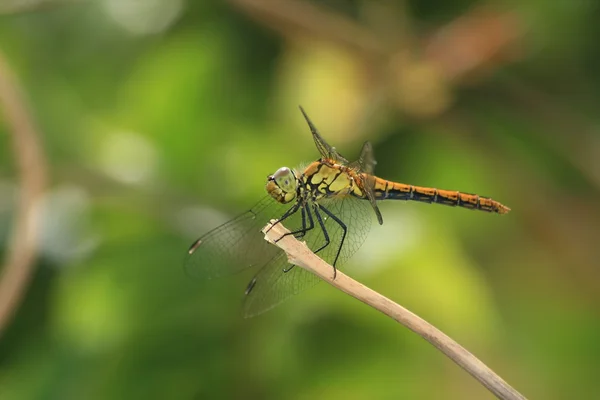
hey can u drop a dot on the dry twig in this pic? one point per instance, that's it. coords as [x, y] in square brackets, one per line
[299, 254]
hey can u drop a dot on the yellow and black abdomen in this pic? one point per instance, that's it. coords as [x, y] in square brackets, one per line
[385, 190]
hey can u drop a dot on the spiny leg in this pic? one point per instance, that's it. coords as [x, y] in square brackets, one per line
[344, 228]
[325, 233]
[311, 222]
[291, 211]
[302, 231]
[305, 211]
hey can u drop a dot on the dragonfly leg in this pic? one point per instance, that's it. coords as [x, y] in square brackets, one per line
[288, 213]
[300, 232]
[322, 225]
[344, 228]
[327, 241]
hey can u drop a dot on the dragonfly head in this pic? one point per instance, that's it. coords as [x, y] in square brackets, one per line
[282, 185]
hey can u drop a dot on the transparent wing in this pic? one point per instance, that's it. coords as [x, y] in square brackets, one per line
[366, 166]
[272, 285]
[366, 161]
[324, 148]
[235, 245]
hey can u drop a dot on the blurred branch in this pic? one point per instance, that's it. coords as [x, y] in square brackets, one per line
[20, 6]
[581, 147]
[417, 71]
[480, 40]
[290, 16]
[32, 170]
[299, 254]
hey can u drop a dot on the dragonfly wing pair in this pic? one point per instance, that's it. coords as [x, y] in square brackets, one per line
[235, 245]
[278, 279]
[239, 244]
[365, 165]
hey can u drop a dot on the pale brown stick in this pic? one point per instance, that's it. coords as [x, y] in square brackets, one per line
[300, 255]
[22, 249]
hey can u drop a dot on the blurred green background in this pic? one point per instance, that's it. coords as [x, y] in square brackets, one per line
[160, 119]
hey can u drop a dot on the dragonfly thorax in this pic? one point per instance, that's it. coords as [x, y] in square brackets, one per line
[282, 185]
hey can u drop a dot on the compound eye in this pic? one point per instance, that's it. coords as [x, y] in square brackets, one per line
[284, 177]
[282, 172]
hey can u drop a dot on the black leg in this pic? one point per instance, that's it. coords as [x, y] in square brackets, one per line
[301, 232]
[344, 228]
[311, 222]
[325, 233]
[305, 212]
[327, 241]
[289, 212]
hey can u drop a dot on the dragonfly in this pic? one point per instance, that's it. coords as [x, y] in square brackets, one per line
[328, 204]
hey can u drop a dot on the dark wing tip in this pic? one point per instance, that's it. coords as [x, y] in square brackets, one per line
[250, 286]
[194, 246]
[310, 124]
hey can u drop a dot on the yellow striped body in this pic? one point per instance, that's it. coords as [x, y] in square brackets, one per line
[326, 178]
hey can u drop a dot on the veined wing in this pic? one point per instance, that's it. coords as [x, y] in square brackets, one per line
[272, 285]
[235, 245]
[324, 148]
[365, 165]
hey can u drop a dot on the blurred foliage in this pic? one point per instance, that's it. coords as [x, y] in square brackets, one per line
[161, 119]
